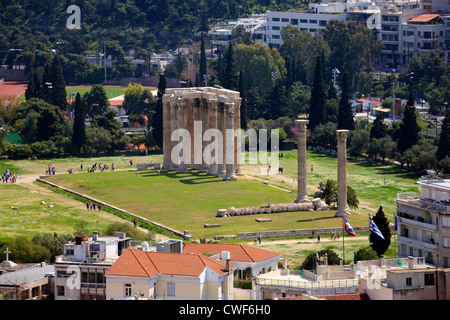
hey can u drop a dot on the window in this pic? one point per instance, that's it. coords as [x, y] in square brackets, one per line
[429, 279]
[294, 22]
[312, 21]
[303, 21]
[275, 28]
[446, 222]
[127, 289]
[322, 23]
[275, 36]
[60, 290]
[284, 20]
[446, 242]
[275, 19]
[171, 289]
[409, 282]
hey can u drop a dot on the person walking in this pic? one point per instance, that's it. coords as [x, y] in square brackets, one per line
[135, 222]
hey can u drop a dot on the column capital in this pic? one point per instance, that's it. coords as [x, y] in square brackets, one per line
[342, 135]
[301, 124]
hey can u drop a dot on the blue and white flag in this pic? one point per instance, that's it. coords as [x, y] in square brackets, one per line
[373, 228]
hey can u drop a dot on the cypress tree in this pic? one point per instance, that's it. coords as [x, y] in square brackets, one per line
[243, 101]
[378, 244]
[79, 130]
[46, 83]
[158, 116]
[229, 75]
[409, 128]
[317, 102]
[379, 129]
[30, 92]
[444, 139]
[202, 69]
[58, 91]
[345, 114]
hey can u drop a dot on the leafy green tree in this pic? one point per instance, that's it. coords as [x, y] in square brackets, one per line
[358, 141]
[96, 100]
[345, 114]
[327, 191]
[325, 135]
[311, 260]
[378, 244]
[132, 100]
[48, 124]
[409, 128]
[25, 251]
[317, 102]
[79, 130]
[98, 138]
[53, 242]
[365, 253]
[299, 97]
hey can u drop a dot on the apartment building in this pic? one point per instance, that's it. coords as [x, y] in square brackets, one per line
[311, 22]
[80, 271]
[423, 221]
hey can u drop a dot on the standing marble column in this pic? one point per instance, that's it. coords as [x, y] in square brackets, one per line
[238, 145]
[221, 127]
[302, 195]
[182, 124]
[212, 124]
[166, 132]
[342, 173]
[205, 125]
[173, 124]
[230, 145]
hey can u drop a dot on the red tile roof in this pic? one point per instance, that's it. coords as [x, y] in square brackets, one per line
[238, 252]
[424, 18]
[139, 263]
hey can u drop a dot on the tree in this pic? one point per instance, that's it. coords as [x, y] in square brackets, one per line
[48, 124]
[25, 251]
[202, 72]
[378, 244]
[53, 242]
[243, 94]
[30, 92]
[79, 130]
[409, 128]
[444, 139]
[358, 141]
[96, 100]
[229, 73]
[277, 103]
[329, 190]
[379, 129]
[58, 90]
[132, 100]
[299, 97]
[317, 102]
[311, 261]
[345, 114]
[158, 115]
[98, 138]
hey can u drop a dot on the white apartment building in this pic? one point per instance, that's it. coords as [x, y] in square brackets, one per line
[311, 22]
[80, 271]
[423, 221]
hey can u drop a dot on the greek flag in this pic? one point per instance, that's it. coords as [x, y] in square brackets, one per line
[373, 228]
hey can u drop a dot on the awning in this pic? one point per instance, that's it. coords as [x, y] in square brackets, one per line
[410, 210]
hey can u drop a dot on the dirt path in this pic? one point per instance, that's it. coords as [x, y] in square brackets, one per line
[306, 240]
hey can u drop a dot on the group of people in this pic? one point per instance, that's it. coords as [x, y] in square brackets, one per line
[9, 177]
[50, 170]
[93, 206]
[100, 167]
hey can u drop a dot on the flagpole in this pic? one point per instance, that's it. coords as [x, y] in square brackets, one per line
[343, 242]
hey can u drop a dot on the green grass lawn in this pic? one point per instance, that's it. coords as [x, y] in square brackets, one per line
[31, 217]
[365, 177]
[188, 201]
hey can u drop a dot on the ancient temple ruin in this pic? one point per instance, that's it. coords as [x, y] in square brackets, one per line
[210, 123]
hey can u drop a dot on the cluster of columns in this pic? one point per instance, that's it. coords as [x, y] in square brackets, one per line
[205, 114]
[302, 195]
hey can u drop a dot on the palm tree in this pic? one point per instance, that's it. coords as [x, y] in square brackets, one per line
[328, 193]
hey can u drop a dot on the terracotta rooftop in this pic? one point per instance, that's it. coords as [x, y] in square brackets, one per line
[238, 252]
[424, 18]
[139, 263]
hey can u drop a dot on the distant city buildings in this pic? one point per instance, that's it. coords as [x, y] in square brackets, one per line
[404, 27]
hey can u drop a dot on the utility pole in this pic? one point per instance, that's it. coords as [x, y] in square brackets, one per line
[393, 100]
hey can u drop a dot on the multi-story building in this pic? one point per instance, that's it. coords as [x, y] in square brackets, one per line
[446, 21]
[311, 22]
[80, 271]
[423, 221]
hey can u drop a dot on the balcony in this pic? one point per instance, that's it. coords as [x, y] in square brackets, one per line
[418, 243]
[417, 224]
[413, 199]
